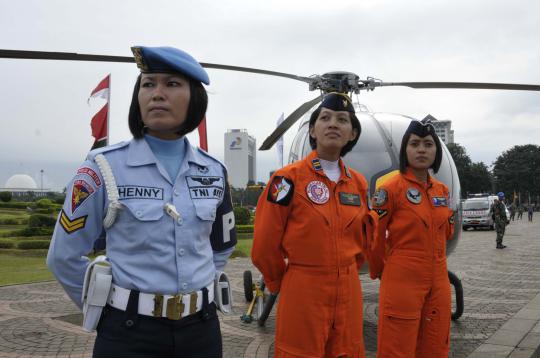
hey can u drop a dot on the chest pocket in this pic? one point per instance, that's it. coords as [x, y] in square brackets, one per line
[142, 210]
[206, 211]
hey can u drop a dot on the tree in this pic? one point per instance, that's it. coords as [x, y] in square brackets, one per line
[241, 215]
[473, 177]
[6, 196]
[518, 170]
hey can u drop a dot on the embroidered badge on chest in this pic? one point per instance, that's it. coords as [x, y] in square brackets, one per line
[81, 191]
[318, 192]
[440, 201]
[414, 196]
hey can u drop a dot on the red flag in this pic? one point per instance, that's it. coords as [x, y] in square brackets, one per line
[203, 140]
[99, 123]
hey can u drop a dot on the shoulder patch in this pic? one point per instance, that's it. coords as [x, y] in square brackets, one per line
[380, 197]
[281, 191]
[80, 192]
[451, 220]
[91, 173]
[70, 226]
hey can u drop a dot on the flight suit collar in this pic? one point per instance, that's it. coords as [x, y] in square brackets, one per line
[312, 160]
[409, 175]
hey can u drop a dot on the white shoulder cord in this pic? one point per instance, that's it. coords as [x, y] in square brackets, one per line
[112, 190]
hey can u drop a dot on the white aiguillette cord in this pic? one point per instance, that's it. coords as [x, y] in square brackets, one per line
[112, 190]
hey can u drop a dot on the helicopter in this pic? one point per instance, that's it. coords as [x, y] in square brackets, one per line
[375, 155]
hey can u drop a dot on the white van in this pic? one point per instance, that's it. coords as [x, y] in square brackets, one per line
[477, 212]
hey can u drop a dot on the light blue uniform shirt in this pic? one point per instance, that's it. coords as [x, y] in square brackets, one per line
[149, 250]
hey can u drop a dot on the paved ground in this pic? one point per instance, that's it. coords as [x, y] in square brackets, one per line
[502, 307]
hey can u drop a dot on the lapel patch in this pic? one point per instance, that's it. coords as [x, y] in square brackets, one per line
[280, 191]
[380, 197]
[440, 201]
[70, 226]
[81, 191]
[414, 195]
[316, 164]
[349, 199]
[318, 192]
[382, 213]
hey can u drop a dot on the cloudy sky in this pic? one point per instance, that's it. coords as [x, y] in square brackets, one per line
[44, 115]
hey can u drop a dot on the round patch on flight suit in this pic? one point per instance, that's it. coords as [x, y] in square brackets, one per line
[380, 197]
[414, 195]
[318, 192]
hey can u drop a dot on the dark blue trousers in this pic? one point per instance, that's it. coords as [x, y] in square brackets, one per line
[128, 334]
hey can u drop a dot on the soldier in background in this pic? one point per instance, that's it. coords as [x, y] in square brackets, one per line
[520, 211]
[499, 215]
[530, 211]
[512, 211]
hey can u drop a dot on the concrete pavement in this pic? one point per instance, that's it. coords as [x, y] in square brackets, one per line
[501, 317]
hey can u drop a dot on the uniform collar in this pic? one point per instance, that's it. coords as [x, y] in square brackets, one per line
[409, 175]
[312, 160]
[139, 153]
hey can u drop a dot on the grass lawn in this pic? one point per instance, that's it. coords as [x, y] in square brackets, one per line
[8, 228]
[17, 268]
[243, 248]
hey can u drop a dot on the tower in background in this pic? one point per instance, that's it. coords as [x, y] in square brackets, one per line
[442, 128]
[240, 157]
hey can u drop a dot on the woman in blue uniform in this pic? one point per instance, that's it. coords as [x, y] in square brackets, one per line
[166, 210]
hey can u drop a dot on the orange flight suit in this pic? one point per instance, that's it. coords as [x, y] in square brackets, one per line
[409, 255]
[307, 244]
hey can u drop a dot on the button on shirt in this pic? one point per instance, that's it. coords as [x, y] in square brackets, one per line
[149, 250]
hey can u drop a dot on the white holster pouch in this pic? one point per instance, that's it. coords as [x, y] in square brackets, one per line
[97, 284]
[223, 292]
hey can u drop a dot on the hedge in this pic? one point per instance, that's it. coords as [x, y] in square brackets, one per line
[30, 231]
[6, 244]
[244, 229]
[15, 205]
[40, 220]
[34, 244]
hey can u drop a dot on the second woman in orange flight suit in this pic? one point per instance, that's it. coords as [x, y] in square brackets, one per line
[308, 237]
[409, 252]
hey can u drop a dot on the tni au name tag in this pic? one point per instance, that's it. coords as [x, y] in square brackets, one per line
[440, 201]
[349, 199]
[139, 192]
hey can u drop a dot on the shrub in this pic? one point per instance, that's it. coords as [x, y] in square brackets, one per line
[5, 196]
[9, 221]
[43, 211]
[33, 244]
[15, 205]
[6, 244]
[30, 231]
[241, 215]
[44, 203]
[40, 220]
[244, 229]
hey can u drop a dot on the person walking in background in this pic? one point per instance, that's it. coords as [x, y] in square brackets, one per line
[512, 210]
[520, 211]
[530, 211]
[499, 216]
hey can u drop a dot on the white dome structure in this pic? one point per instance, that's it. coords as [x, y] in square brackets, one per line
[21, 181]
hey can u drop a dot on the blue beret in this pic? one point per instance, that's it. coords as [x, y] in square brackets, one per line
[337, 102]
[169, 59]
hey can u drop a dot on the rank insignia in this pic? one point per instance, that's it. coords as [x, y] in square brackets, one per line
[382, 213]
[414, 196]
[318, 192]
[81, 191]
[316, 164]
[70, 226]
[440, 201]
[280, 191]
[380, 197]
[349, 199]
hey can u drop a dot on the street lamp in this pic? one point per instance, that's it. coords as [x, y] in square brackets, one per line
[41, 171]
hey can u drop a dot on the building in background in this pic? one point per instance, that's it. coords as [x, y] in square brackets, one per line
[442, 128]
[240, 157]
[20, 185]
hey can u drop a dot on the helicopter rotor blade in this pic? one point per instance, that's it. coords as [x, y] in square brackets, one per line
[288, 122]
[463, 85]
[72, 56]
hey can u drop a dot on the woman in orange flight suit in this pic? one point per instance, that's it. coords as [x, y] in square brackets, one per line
[308, 237]
[409, 252]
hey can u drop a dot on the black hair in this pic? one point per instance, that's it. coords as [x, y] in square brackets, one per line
[349, 146]
[404, 163]
[198, 102]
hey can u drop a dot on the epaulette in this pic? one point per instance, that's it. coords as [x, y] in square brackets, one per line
[92, 154]
[210, 159]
